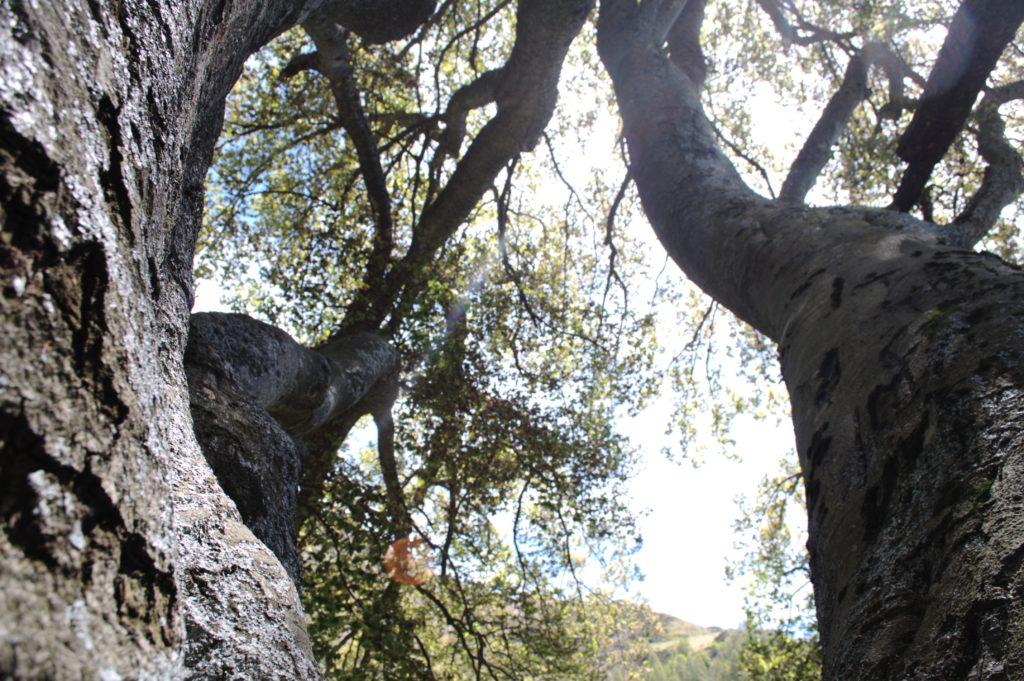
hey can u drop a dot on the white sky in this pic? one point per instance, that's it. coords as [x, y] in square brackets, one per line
[688, 534]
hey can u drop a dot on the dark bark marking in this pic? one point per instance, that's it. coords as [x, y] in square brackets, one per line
[880, 401]
[112, 180]
[30, 191]
[819, 446]
[877, 505]
[910, 447]
[872, 277]
[808, 281]
[978, 315]
[145, 594]
[982, 624]
[78, 284]
[829, 373]
[20, 447]
[813, 492]
[837, 292]
[875, 508]
[29, 184]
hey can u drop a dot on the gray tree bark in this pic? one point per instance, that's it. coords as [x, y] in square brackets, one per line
[903, 359]
[120, 555]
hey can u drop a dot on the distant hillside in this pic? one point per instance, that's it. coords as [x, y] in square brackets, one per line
[682, 651]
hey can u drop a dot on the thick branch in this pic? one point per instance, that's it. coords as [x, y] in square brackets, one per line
[525, 99]
[979, 32]
[684, 42]
[302, 388]
[682, 176]
[379, 21]
[474, 95]
[333, 62]
[817, 148]
[1003, 181]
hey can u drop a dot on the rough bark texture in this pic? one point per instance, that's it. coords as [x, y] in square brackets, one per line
[120, 556]
[903, 360]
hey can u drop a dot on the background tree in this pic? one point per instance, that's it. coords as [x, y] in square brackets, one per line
[782, 641]
[515, 358]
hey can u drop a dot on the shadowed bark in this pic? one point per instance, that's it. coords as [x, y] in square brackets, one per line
[902, 356]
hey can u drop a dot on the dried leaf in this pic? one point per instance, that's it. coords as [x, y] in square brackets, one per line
[406, 562]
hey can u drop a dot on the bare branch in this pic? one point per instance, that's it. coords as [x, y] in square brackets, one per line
[502, 202]
[750, 160]
[609, 241]
[802, 32]
[979, 32]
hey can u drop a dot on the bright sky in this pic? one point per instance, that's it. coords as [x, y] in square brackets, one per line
[688, 534]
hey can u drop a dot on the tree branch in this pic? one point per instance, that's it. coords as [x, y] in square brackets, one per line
[1003, 181]
[378, 21]
[525, 98]
[474, 95]
[817, 149]
[790, 33]
[304, 61]
[979, 32]
[333, 62]
[684, 42]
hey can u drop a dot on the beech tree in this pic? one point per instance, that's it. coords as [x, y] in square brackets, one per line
[124, 554]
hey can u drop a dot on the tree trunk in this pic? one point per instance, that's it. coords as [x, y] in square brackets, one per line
[120, 555]
[903, 359]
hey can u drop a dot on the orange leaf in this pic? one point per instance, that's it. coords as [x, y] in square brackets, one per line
[406, 562]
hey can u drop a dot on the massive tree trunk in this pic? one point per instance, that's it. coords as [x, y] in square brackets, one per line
[903, 357]
[120, 555]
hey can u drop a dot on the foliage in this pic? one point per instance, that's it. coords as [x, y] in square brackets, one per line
[773, 568]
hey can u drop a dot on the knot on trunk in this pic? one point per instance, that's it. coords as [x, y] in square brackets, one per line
[261, 401]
